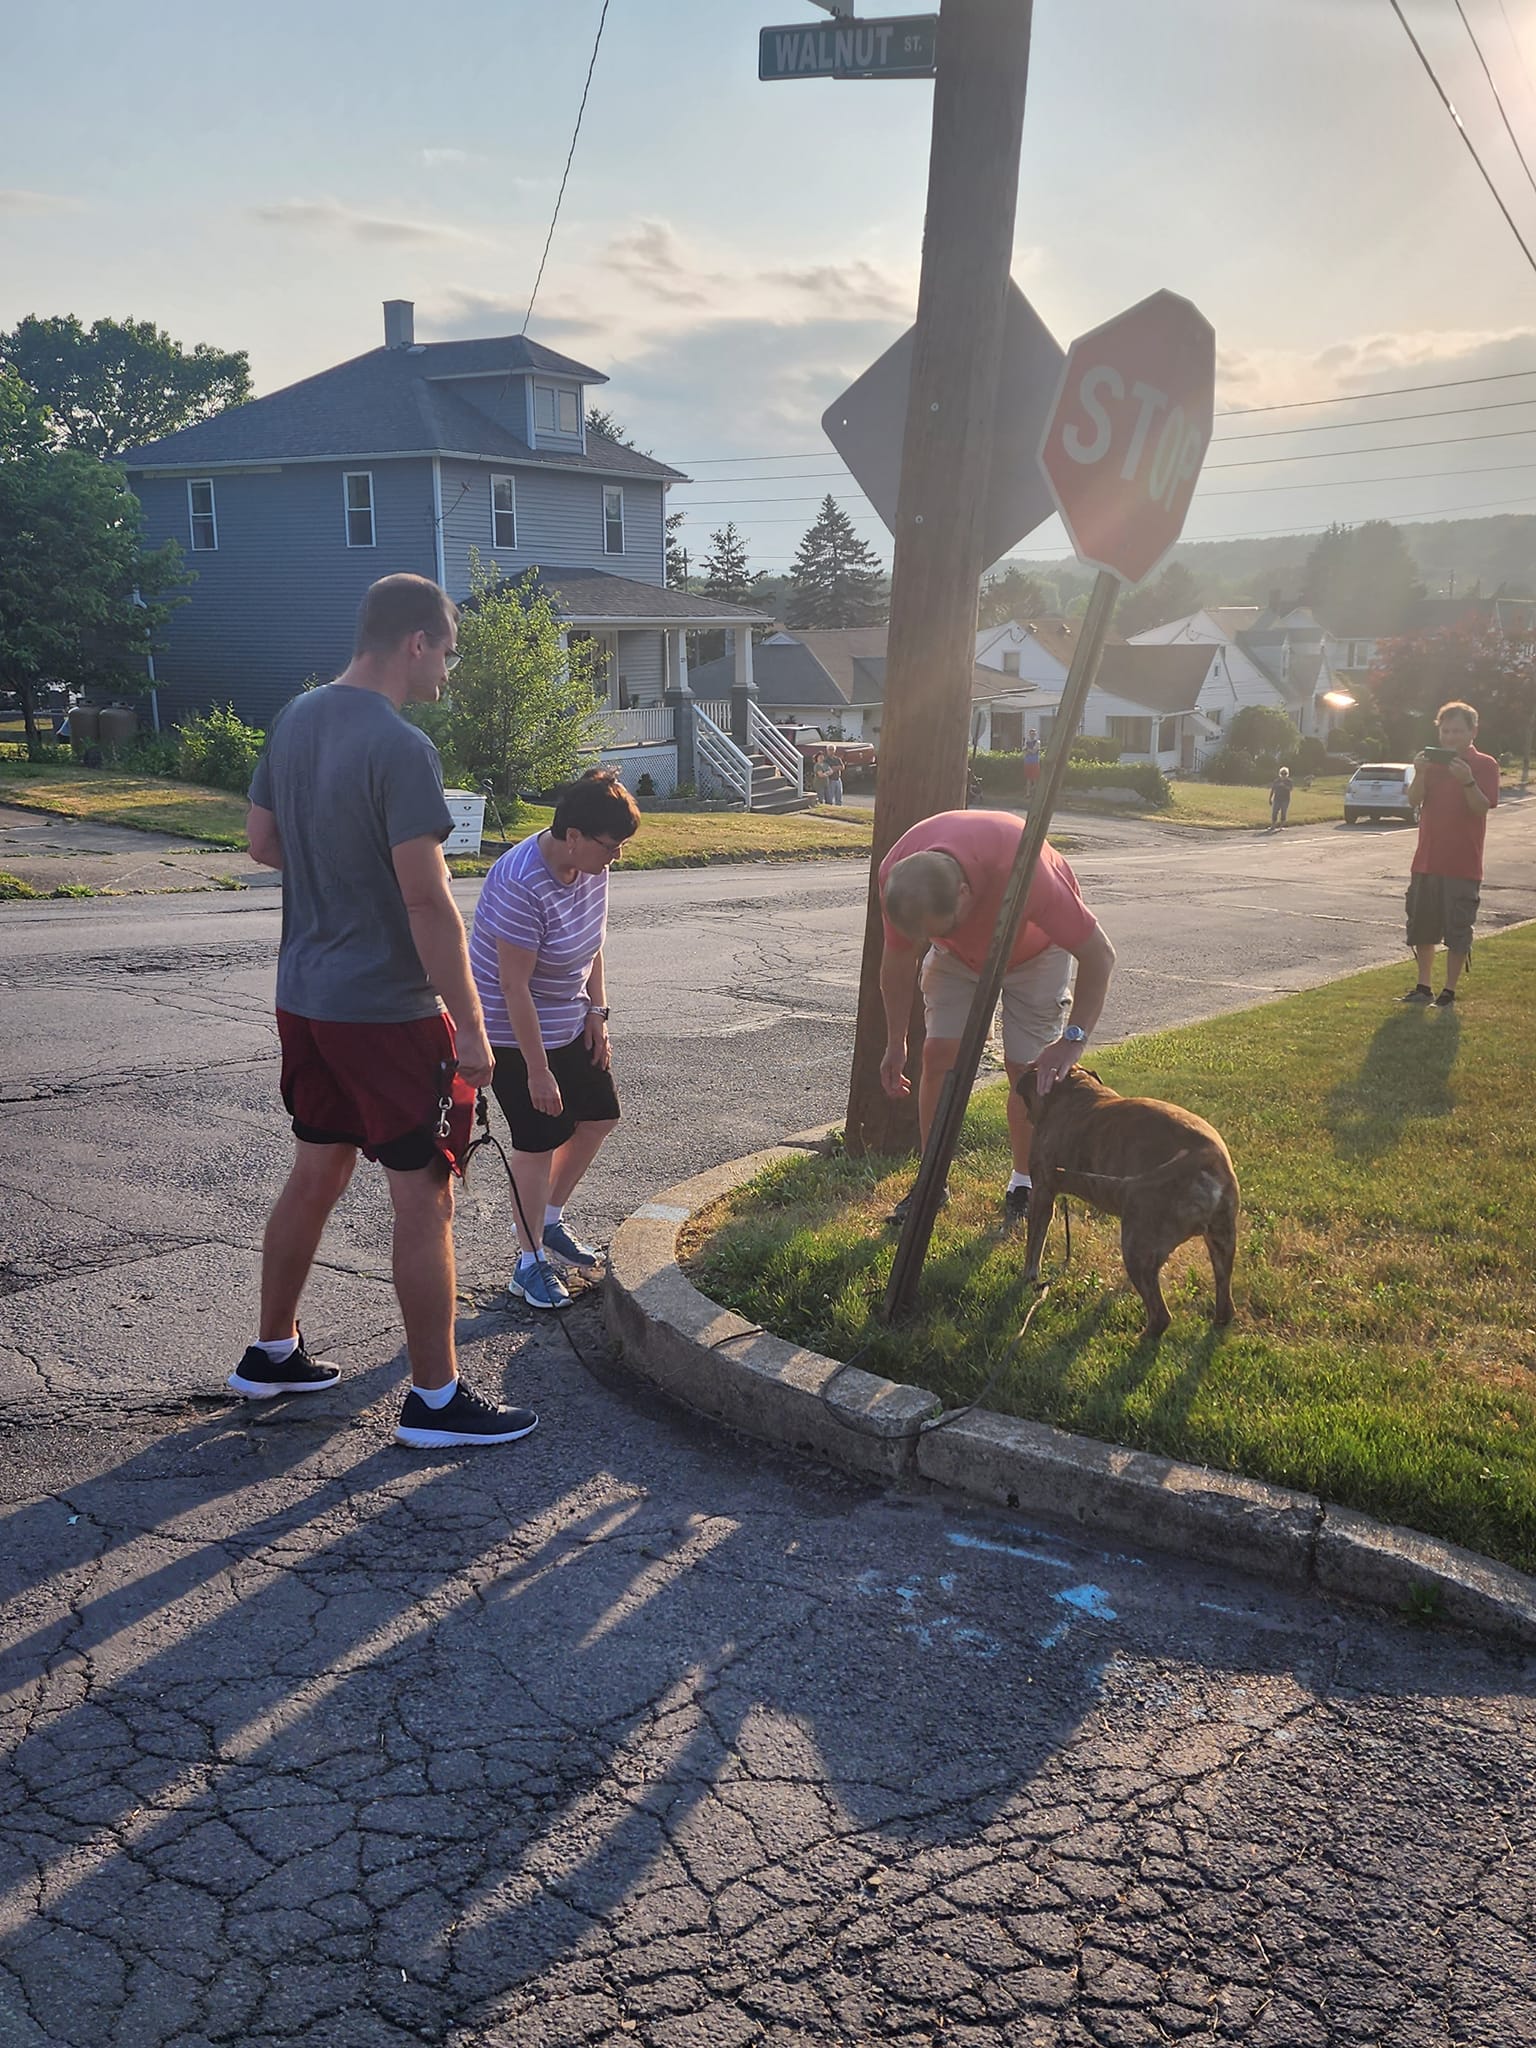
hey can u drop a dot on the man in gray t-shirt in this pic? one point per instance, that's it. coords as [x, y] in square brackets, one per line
[382, 1035]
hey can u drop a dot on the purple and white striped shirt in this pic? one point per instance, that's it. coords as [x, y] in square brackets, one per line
[562, 922]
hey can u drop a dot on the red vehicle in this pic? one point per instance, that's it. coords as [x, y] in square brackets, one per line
[857, 757]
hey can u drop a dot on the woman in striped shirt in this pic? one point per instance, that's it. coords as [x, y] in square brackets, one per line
[537, 954]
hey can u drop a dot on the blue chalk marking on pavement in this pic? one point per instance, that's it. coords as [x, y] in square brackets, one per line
[1089, 1600]
[964, 1541]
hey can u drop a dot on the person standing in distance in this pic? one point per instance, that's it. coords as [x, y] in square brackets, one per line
[1280, 798]
[941, 888]
[1454, 798]
[537, 955]
[382, 1036]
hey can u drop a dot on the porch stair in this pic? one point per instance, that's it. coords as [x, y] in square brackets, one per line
[772, 790]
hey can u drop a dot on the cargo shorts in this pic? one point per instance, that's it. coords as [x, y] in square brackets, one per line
[1442, 909]
[1037, 995]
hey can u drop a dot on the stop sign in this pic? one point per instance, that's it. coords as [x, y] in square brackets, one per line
[1128, 433]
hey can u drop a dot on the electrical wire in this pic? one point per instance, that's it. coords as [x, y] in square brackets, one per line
[569, 158]
[1497, 99]
[1461, 130]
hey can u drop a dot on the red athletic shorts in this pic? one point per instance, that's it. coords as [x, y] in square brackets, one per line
[381, 1087]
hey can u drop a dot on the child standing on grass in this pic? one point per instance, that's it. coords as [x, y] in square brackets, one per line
[1280, 797]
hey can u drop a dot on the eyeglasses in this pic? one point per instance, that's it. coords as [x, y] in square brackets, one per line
[612, 847]
[451, 662]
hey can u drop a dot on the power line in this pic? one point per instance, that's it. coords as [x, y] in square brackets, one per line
[1497, 100]
[1395, 448]
[570, 155]
[1461, 130]
[1515, 44]
[1394, 419]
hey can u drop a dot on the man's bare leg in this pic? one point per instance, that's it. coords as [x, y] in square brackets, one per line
[425, 1275]
[1454, 963]
[315, 1184]
[1425, 956]
[939, 1055]
[1021, 1132]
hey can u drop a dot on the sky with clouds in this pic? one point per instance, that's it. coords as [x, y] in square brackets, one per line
[734, 253]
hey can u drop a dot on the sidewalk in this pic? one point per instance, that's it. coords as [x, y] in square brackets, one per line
[49, 853]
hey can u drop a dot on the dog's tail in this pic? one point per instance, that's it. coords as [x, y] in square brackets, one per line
[1120, 1180]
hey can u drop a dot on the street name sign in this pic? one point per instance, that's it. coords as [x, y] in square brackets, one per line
[901, 47]
[1128, 432]
[868, 425]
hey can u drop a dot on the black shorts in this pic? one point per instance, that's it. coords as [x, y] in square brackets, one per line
[1442, 910]
[587, 1095]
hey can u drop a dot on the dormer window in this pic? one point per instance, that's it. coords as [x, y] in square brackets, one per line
[555, 410]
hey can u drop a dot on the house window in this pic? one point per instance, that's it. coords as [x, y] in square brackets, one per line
[1133, 735]
[503, 512]
[555, 411]
[1010, 664]
[613, 520]
[359, 498]
[201, 516]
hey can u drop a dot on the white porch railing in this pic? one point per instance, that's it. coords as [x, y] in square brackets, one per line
[720, 761]
[651, 722]
[719, 711]
[783, 753]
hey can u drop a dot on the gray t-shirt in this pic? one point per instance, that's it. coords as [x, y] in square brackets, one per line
[348, 780]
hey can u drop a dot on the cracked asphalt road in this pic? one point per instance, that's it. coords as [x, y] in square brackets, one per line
[638, 1732]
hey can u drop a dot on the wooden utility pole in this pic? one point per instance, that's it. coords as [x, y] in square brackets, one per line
[973, 176]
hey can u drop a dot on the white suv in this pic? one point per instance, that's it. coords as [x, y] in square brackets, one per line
[1380, 790]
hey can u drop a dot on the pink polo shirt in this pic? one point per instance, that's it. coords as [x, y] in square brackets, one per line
[986, 843]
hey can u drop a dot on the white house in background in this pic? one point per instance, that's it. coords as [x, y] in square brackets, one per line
[1283, 660]
[1035, 652]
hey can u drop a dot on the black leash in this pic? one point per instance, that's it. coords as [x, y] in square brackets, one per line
[487, 1138]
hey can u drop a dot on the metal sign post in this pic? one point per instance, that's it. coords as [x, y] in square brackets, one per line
[912, 1246]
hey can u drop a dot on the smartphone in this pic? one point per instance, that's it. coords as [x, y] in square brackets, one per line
[1444, 755]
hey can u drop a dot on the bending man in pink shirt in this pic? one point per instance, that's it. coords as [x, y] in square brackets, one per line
[941, 889]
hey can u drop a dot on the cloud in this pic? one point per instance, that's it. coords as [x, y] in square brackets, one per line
[650, 255]
[18, 201]
[1363, 364]
[329, 216]
[444, 159]
[855, 287]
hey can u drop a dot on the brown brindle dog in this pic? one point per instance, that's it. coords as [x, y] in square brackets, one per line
[1163, 1171]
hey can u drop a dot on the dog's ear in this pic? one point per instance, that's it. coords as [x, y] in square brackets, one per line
[1029, 1089]
[1091, 1074]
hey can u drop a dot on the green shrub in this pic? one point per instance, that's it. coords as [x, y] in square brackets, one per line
[1145, 777]
[999, 774]
[1086, 748]
[219, 749]
[1310, 757]
[1231, 764]
[152, 753]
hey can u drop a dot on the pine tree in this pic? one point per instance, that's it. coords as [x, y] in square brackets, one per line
[837, 578]
[726, 574]
[677, 554]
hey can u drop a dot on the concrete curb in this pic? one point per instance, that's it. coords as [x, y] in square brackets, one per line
[724, 1367]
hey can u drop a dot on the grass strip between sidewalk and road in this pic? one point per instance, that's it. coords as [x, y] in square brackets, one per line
[1384, 1352]
[214, 817]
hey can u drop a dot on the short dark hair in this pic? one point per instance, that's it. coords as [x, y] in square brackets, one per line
[597, 805]
[396, 607]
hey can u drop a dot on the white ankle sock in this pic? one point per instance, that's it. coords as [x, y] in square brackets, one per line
[436, 1397]
[278, 1348]
[553, 1215]
[1019, 1180]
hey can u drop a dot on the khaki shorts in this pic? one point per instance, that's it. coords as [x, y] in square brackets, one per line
[1036, 999]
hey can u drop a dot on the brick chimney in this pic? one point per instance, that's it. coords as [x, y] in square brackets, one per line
[399, 323]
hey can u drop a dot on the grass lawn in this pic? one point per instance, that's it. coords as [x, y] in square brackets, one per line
[1384, 1353]
[1233, 806]
[212, 817]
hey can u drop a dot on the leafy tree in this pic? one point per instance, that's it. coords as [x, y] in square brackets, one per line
[604, 423]
[520, 705]
[79, 595]
[1416, 673]
[1362, 579]
[1016, 594]
[726, 574]
[121, 382]
[1261, 730]
[836, 578]
[677, 554]
[1174, 595]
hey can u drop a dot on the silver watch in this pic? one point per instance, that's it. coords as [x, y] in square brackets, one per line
[1074, 1034]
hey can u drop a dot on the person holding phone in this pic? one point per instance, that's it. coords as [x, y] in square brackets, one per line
[1455, 788]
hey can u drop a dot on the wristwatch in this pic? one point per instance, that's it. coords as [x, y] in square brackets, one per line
[1074, 1034]
[598, 1010]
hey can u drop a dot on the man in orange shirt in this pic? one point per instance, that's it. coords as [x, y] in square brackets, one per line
[941, 889]
[1455, 797]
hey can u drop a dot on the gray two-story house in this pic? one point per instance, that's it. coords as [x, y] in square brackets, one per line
[408, 457]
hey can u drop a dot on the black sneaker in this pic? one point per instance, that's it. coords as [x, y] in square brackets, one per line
[898, 1215]
[257, 1378]
[1419, 993]
[1446, 999]
[1016, 1205]
[467, 1419]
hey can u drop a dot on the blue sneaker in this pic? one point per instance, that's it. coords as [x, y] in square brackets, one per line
[570, 1251]
[536, 1282]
